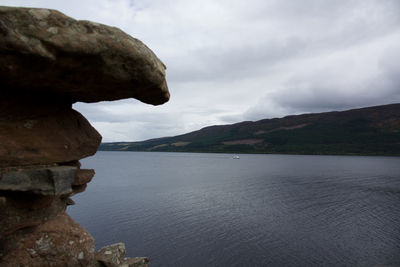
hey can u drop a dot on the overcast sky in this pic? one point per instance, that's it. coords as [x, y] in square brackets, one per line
[230, 60]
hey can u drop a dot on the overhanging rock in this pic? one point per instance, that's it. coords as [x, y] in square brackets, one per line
[46, 52]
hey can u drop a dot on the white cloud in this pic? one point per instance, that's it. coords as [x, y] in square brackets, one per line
[234, 60]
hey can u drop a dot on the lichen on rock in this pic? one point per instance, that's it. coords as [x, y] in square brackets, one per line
[48, 53]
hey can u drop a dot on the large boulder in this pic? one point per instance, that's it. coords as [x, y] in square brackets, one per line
[58, 242]
[21, 210]
[44, 52]
[33, 133]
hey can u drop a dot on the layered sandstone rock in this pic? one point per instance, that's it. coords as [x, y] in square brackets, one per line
[58, 242]
[49, 61]
[47, 53]
[36, 131]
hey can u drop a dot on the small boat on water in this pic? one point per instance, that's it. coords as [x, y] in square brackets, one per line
[236, 157]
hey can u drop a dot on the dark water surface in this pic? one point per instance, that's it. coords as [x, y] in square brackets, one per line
[188, 209]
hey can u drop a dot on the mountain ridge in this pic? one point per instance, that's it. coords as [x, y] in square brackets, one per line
[364, 131]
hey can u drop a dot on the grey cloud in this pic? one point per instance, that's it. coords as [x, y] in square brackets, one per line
[302, 29]
[332, 90]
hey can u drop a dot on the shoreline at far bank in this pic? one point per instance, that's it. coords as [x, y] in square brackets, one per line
[255, 153]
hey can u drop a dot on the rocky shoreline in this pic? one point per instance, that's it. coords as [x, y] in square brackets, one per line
[48, 62]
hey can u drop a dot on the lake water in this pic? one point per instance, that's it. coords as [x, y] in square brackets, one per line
[188, 209]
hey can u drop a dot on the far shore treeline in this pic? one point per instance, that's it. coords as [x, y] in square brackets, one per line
[365, 131]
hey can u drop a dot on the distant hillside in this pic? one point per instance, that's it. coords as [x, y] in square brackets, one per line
[365, 131]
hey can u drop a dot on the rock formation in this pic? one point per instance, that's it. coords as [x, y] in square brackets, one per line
[48, 62]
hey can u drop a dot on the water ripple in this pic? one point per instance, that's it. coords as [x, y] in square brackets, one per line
[187, 209]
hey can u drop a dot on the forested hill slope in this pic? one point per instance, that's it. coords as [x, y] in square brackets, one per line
[365, 131]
